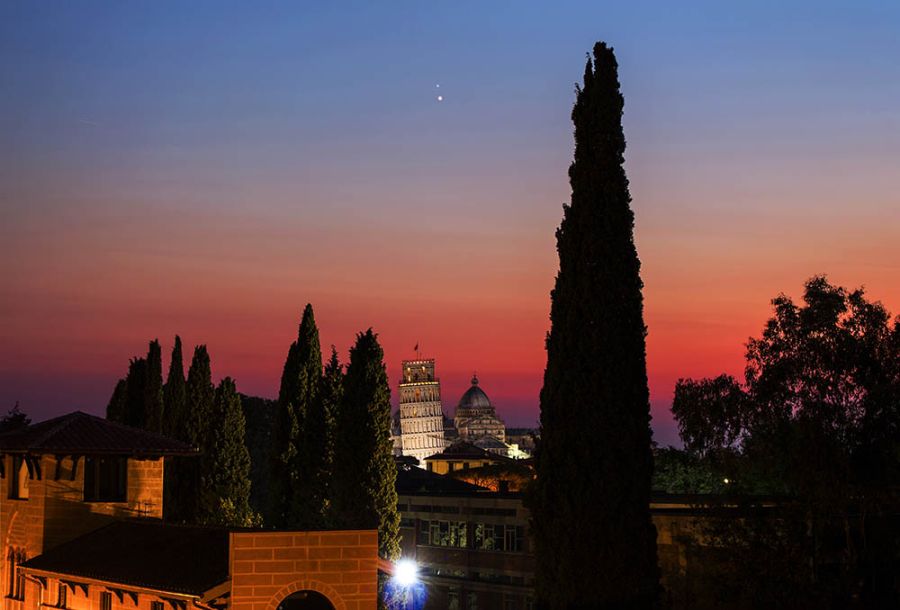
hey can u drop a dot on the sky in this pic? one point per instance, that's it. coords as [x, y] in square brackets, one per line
[208, 168]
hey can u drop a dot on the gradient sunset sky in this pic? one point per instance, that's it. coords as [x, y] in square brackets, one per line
[207, 169]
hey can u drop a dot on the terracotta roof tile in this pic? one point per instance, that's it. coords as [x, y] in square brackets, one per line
[146, 554]
[81, 433]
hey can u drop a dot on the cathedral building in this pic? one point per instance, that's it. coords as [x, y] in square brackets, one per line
[476, 418]
[420, 429]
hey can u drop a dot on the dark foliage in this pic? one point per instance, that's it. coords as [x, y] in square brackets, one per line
[175, 395]
[314, 504]
[818, 419]
[118, 402]
[684, 472]
[174, 425]
[14, 420]
[153, 389]
[200, 394]
[200, 398]
[709, 413]
[136, 392]
[137, 400]
[291, 501]
[259, 417]
[595, 544]
[364, 469]
[225, 473]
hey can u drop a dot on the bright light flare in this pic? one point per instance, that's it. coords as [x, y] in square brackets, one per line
[406, 572]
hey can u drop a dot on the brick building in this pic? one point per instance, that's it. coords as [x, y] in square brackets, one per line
[81, 529]
[473, 549]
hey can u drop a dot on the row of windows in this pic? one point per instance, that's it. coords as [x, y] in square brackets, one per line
[477, 536]
[443, 533]
[433, 424]
[510, 602]
[419, 395]
[519, 580]
[452, 466]
[62, 594]
[455, 510]
[427, 442]
[105, 479]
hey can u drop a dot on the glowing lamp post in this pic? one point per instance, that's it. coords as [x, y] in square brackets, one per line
[406, 573]
[404, 590]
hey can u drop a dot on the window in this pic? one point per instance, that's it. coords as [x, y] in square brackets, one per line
[15, 558]
[106, 600]
[443, 533]
[105, 479]
[18, 484]
[472, 601]
[453, 598]
[61, 596]
[11, 572]
[495, 537]
[156, 606]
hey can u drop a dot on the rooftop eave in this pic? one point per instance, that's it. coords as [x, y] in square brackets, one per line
[209, 593]
[145, 454]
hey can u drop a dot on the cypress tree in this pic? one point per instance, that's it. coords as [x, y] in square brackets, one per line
[200, 394]
[137, 399]
[136, 393]
[225, 479]
[364, 470]
[153, 389]
[174, 426]
[296, 398]
[318, 445]
[115, 410]
[174, 395]
[595, 544]
[259, 415]
[200, 398]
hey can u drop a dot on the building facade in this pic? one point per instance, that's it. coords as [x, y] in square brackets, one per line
[474, 552]
[81, 505]
[421, 418]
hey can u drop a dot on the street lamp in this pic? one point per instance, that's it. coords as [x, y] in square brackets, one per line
[404, 591]
[406, 572]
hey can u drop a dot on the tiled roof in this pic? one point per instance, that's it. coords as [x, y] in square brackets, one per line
[145, 554]
[490, 442]
[414, 480]
[80, 433]
[463, 450]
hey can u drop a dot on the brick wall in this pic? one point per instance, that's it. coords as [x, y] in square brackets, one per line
[67, 515]
[56, 512]
[266, 567]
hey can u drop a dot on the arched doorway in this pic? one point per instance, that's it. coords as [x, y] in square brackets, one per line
[305, 600]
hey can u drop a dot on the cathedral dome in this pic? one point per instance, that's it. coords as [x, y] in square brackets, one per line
[474, 399]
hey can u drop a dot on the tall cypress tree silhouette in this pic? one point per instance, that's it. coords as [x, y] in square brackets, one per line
[290, 504]
[595, 543]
